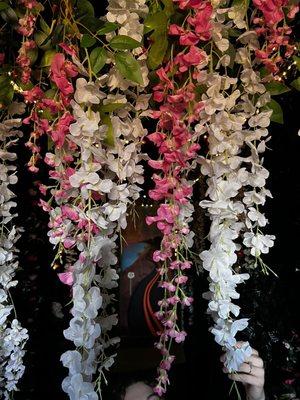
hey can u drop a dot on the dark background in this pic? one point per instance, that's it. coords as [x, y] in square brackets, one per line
[270, 302]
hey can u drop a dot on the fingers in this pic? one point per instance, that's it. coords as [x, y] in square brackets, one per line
[247, 379]
[255, 361]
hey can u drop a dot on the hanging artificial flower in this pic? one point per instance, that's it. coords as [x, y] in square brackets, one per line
[177, 143]
[235, 117]
[13, 337]
[94, 125]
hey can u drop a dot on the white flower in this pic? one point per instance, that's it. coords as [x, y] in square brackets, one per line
[72, 360]
[83, 177]
[77, 389]
[87, 92]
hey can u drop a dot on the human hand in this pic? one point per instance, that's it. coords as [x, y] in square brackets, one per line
[252, 374]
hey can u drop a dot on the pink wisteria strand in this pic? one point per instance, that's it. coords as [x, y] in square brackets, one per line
[177, 144]
[273, 24]
[26, 27]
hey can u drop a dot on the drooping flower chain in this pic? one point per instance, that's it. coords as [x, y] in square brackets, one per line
[235, 119]
[12, 336]
[273, 24]
[96, 185]
[177, 144]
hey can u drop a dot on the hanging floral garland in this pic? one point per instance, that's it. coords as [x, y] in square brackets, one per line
[236, 119]
[233, 109]
[97, 138]
[12, 336]
[216, 64]
[177, 144]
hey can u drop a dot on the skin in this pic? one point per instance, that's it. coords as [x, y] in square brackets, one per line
[251, 374]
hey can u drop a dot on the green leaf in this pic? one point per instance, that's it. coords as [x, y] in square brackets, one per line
[6, 90]
[84, 7]
[233, 32]
[242, 6]
[296, 84]
[58, 34]
[87, 40]
[297, 62]
[90, 24]
[50, 93]
[275, 88]
[157, 21]
[107, 28]
[168, 7]
[157, 50]
[44, 26]
[110, 136]
[98, 59]
[108, 108]
[40, 37]
[122, 42]
[277, 114]
[9, 15]
[33, 55]
[3, 6]
[47, 58]
[129, 67]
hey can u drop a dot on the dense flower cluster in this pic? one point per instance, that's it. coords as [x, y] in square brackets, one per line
[271, 24]
[177, 144]
[26, 28]
[12, 336]
[236, 123]
[95, 165]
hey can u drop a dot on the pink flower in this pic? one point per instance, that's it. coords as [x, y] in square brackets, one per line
[193, 57]
[62, 129]
[158, 96]
[69, 243]
[33, 94]
[183, 4]
[67, 278]
[45, 206]
[176, 30]
[159, 256]
[293, 11]
[161, 73]
[189, 39]
[201, 21]
[181, 279]
[271, 9]
[180, 337]
[61, 70]
[187, 301]
[69, 212]
[68, 49]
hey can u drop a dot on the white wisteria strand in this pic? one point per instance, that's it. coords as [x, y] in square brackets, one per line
[106, 182]
[235, 120]
[12, 336]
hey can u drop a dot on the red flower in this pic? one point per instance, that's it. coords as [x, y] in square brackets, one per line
[61, 71]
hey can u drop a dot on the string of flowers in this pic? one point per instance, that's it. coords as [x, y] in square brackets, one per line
[13, 337]
[177, 144]
[27, 55]
[97, 144]
[235, 118]
[271, 25]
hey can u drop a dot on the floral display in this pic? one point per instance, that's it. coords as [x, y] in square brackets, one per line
[12, 336]
[184, 85]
